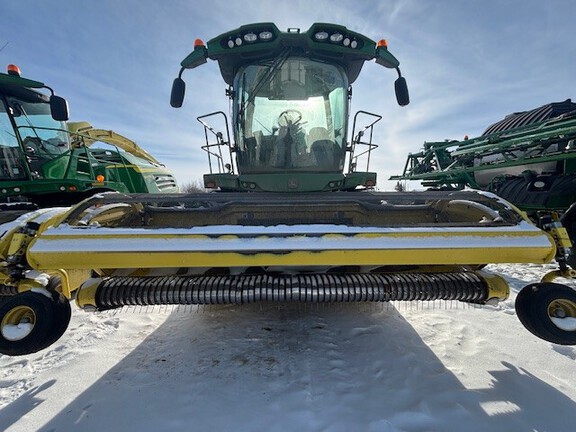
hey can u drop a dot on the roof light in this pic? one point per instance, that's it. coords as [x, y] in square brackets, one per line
[238, 41]
[230, 43]
[250, 37]
[353, 44]
[198, 43]
[265, 35]
[13, 70]
[382, 43]
[336, 37]
[346, 42]
[321, 35]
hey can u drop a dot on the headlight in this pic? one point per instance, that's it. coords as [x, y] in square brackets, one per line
[336, 37]
[265, 35]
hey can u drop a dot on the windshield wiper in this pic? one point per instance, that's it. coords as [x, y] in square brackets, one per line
[276, 64]
[23, 112]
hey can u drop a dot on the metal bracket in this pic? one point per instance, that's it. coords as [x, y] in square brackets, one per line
[16, 257]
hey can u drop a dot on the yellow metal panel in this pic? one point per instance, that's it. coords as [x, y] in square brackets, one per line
[164, 259]
[86, 248]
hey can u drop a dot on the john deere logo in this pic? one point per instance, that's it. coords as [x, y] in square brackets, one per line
[292, 184]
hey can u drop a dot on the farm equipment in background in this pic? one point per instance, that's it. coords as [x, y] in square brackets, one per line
[528, 158]
[124, 165]
[45, 161]
[292, 217]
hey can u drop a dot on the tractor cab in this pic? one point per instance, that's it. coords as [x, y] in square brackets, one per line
[33, 138]
[290, 94]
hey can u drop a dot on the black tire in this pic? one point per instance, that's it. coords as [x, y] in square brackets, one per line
[522, 307]
[62, 315]
[537, 305]
[63, 311]
[46, 319]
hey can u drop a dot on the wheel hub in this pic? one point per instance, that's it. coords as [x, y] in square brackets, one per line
[562, 308]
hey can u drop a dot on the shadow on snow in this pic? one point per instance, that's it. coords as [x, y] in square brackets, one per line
[298, 368]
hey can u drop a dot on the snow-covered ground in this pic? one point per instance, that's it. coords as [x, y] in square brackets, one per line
[352, 367]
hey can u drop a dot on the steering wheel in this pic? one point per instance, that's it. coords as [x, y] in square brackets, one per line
[33, 144]
[289, 117]
[36, 143]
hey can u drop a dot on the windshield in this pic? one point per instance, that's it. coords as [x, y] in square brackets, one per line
[11, 159]
[290, 115]
[43, 139]
[40, 133]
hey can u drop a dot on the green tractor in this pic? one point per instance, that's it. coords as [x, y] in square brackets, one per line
[45, 161]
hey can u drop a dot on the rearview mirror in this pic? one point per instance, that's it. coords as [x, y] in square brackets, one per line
[59, 108]
[177, 94]
[401, 88]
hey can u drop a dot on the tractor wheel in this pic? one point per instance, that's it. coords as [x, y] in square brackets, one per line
[548, 310]
[31, 321]
[62, 315]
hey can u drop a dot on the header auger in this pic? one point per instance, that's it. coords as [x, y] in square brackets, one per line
[291, 217]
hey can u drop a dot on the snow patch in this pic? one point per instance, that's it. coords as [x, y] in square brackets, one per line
[17, 332]
[566, 324]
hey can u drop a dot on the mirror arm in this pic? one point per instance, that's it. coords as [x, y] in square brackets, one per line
[51, 91]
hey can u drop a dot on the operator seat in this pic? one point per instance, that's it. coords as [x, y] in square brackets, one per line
[323, 148]
[317, 134]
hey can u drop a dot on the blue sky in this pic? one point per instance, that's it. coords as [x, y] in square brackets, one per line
[467, 63]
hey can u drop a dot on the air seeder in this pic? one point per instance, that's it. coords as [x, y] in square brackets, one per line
[528, 158]
[292, 216]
